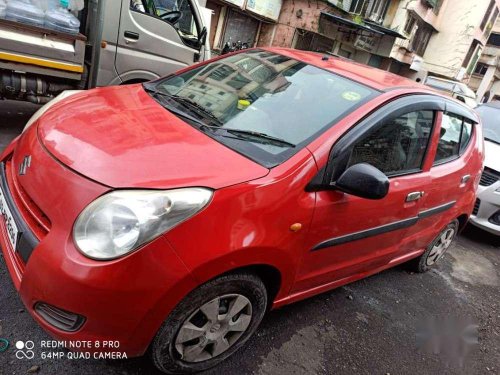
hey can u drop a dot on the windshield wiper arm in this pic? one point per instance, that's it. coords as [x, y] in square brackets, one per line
[251, 133]
[260, 135]
[209, 114]
[199, 107]
[492, 140]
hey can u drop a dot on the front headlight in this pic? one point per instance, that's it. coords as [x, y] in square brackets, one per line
[119, 222]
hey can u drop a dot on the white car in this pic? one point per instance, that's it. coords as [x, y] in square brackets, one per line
[457, 90]
[486, 214]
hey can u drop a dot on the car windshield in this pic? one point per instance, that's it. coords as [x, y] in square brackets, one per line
[490, 117]
[264, 105]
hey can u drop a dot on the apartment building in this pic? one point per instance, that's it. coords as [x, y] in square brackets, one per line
[355, 29]
[413, 38]
[464, 29]
[485, 78]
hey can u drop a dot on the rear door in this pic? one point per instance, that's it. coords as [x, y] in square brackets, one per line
[453, 171]
[350, 236]
[148, 46]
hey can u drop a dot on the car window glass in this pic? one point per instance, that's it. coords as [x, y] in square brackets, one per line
[398, 146]
[449, 141]
[186, 25]
[466, 136]
[268, 93]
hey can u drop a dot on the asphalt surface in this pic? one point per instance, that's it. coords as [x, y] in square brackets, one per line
[368, 327]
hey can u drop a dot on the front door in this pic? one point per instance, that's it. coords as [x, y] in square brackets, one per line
[148, 46]
[350, 236]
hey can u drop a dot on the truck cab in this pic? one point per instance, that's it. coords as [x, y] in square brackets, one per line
[119, 42]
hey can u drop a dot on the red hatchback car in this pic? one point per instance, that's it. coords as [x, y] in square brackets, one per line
[169, 216]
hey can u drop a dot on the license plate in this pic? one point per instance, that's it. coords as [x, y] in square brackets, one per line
[12, 230]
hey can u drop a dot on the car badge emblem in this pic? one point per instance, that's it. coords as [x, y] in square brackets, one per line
[24, 165]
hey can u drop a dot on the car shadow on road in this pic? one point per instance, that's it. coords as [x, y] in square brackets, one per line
[478, 235]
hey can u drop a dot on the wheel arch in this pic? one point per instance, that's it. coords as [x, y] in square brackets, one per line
[270, 275]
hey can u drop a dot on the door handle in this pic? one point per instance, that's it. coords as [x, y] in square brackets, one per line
[414, 196]
[465, 179]
[130, 37]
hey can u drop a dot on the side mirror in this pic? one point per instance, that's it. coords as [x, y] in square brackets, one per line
[203, 36]
[363, 180]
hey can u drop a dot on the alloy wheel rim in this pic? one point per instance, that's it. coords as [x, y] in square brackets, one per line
[440, 247]
[213, 328]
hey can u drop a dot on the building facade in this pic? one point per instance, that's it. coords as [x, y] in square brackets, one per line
[462, 34]
[413, 38]
[355, 29]
[240, 20]
[485, 78]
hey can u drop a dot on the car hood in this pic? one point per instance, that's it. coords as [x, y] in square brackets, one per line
[492, 155]
[121, 137]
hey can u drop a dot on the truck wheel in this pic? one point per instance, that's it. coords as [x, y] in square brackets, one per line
[210, 324]
[437, 248]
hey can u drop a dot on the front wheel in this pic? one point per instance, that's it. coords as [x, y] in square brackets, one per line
[438, 247]
[210, 324]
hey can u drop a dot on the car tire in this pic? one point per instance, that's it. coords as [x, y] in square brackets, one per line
[436, 249]
[196, 313]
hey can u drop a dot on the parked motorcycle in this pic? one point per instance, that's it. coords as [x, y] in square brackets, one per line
[235, 46]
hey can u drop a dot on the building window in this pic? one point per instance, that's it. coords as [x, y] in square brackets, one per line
[377, 10]
[410, 23]
[492, 21]
[468, 57]
[437, 7]
[421, 39]
[357, 6]
[494, 40]
[487, 15]
[481, 69]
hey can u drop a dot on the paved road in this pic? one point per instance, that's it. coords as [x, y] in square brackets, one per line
[368, 327]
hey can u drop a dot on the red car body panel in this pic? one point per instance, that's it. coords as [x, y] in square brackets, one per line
[125, 131]
[247, 223]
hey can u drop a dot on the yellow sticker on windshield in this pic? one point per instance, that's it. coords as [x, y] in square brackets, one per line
[351, 96]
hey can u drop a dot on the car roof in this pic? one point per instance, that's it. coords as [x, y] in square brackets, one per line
[367, 75]
[494, 104]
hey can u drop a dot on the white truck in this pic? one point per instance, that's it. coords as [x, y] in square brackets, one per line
[118, 43]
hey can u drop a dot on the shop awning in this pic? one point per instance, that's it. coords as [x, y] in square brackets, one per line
[350, 23]
[385, 30]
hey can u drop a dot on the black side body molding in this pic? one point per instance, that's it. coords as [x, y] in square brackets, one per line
[401, 224]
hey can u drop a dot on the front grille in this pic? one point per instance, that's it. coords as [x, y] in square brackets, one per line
[489, 177]
[476, 206]
[61, 319]
[35, 219]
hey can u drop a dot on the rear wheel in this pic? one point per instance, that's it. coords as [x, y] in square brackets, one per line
[438, 247]
[210, 324]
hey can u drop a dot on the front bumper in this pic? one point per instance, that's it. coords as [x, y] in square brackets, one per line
[487, 205]
[124, 300]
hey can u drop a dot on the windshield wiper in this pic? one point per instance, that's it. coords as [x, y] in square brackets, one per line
[199, 107]
[252, 135]
[492, 140]
[186, 101]
[240, 133]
